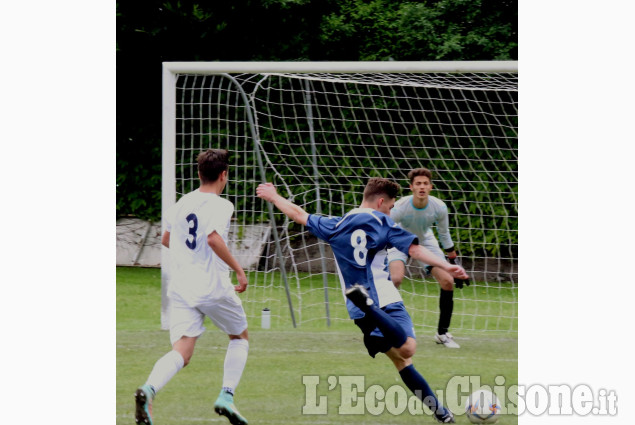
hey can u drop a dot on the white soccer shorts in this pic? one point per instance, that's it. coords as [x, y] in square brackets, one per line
[226, 313]
[429, 242]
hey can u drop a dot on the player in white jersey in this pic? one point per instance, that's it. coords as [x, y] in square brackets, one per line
[417, 213]
[200, 285]
[359, 241]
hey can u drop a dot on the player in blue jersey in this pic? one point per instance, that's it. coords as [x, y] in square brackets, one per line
[359, 241]
[417, 213]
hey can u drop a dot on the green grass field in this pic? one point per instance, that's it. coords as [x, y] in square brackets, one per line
[272, 390]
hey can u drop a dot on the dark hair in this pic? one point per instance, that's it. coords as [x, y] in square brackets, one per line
[419, 172]
[212, 163]
[377, 186]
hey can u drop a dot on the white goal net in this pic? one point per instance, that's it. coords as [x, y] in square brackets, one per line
[319, 134]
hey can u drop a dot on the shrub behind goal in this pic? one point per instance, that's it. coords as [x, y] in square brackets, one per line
[318, 131]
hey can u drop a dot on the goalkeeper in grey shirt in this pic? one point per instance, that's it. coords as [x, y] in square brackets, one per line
[417, 213]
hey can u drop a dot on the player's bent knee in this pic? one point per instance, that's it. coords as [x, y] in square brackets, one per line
[186, 358]
[447, 284]
[185, 347]
[409, 348]
[446, 281]
[400, 361]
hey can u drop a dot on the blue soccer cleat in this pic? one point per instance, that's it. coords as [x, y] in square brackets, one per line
[143, 401]
[224, 406]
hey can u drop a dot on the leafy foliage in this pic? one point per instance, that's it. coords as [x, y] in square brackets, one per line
[149, 33]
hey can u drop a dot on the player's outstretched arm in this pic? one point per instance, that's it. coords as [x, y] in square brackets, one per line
[218, 245]
[424, 255]
[268, 192]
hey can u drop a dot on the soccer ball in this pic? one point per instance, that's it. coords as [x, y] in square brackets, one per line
[482, 407]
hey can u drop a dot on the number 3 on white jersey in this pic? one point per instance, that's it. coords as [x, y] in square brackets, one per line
[358, 241]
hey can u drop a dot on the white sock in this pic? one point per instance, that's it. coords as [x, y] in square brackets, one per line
[235, 361]
[164, 369]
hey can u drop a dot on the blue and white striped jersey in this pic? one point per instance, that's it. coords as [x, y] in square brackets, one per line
[359, 241]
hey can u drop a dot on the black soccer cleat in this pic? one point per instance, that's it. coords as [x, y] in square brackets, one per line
[359, 296]
[445, 417]
[143, 406]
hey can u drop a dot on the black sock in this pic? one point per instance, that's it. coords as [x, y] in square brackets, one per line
[419, 386]
[393, 332]
[446, 305]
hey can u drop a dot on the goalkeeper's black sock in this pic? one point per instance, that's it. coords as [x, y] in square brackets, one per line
[393, 332]
[418, 385]
[446, 305]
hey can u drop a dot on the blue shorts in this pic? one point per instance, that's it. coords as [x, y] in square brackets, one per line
[373, 338]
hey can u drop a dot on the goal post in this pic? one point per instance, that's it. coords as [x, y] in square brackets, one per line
[319, 130]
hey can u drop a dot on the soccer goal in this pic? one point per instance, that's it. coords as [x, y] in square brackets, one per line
[318, 131]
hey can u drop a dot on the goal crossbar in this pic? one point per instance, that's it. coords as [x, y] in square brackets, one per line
[344, 67]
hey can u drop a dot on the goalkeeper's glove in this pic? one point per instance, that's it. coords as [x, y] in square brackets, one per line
[458, 282]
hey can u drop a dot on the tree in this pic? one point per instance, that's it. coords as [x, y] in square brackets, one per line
[149, 33]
